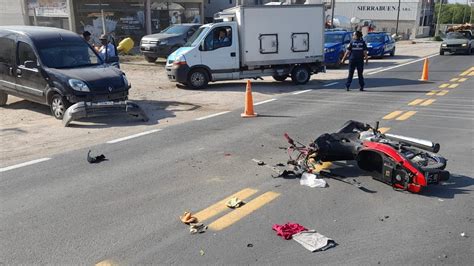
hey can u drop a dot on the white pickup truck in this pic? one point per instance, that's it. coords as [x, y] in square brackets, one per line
[252, 42]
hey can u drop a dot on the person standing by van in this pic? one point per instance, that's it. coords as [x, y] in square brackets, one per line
[107, 50]
[357, 53]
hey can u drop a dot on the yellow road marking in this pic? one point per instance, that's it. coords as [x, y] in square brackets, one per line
[442, 86]
[431, 93]
[465, 72]
[415, 102]
[452, 86]
[392, 115]
[442, 93]
[428, 102]
[471, 74]
[454, 79]
[220, 206]
[406, 115]
[384, 129]
[462, 79]
[235, 215]
[106, 263]
[325, 165]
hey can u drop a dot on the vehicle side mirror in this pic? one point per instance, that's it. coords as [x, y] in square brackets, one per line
[31, 64]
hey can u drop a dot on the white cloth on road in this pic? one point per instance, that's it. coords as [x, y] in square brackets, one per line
[311, 180]
[313, 241]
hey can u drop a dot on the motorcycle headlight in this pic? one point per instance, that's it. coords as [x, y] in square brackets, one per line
[125, 81]
[78, 85]
[464, 44]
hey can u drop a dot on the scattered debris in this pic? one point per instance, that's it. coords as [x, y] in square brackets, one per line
[287, 230]
[274, 169]
[195, 228]
[280, 165]
[250, 245]
[95, 159]
[463, 234]
[441, 200]
[187, 218]
[311, 180]
[259, 162]
[227, 154]
[277, 186]
[314, 241]
[234, 203]
[201, 252]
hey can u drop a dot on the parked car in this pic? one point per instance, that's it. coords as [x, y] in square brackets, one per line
[335, 45]
[55, 67]
[167, 41]
[458, 42]
[379, 44]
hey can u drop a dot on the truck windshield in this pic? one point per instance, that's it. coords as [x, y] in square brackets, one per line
[67, 54]
[374, 38]
[194, 40]
[176, 29]
[333, 38]
[456, 35]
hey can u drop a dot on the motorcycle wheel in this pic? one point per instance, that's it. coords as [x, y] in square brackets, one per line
[427, 160]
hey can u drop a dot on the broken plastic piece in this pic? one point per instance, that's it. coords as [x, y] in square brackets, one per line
[311, 180]
[234, 203]
[188, 218]
[95, 159]
[195, 228]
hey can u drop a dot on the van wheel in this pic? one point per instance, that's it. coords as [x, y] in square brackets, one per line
[3, 98]
[300, 75]
[280, 78]
[197, 79]
[150, 59]
[58, 106]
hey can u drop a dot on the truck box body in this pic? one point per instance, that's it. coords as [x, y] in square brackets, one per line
[273, 35]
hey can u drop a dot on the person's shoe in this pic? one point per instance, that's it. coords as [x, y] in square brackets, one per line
[347, 89]
[361, 89]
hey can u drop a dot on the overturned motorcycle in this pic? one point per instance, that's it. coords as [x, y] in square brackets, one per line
[405, 163]
[94, 109]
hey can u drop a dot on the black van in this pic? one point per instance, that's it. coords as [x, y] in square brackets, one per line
[55, 67]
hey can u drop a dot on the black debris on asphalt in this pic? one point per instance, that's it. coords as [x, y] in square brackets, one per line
[95, 159]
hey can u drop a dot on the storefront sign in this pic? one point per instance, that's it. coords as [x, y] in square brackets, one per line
[48, 8]
[378, 11]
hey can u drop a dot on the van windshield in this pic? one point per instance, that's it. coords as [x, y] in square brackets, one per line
[194, 39]
[68, 54]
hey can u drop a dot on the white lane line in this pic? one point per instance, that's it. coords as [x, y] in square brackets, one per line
[4, 169]
[372, 71]
[330, 84]
[133, 136]
[404, 64]
[299, 92]
[209, 116]
[267, 101]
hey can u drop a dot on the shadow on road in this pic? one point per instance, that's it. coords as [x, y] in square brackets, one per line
[456, 185]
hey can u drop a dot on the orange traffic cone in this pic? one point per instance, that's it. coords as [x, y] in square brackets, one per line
[248, 102]
[424, 75]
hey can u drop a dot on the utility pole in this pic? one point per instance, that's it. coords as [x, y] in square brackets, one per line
[437, 19]
[333, 2]
[398, 17]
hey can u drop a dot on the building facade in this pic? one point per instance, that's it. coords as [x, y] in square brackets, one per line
[415, 17]
[12, 12]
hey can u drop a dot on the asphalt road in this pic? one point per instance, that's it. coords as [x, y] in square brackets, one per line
[125, 210]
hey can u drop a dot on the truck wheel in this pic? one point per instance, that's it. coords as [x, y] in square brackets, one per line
[441, 52]
[150, 59]
[3, 98]
[300, 75]
[197, 79]
[280, 78]
[58, 106]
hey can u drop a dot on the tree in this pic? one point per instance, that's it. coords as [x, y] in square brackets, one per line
[454, 14]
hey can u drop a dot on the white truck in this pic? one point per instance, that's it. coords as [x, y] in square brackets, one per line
[252, 42]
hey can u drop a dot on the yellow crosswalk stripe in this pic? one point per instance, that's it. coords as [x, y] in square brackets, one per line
[442, 93]
[392, 115]
[415, 102]
[107, 263]
[452, 86]
[431, 93]
[428, 102]
[220, 206]
[384, 129]
[465, 73]
[442, 86]
[471, 74]
[454, 79]
[237, 214]
[462, 79]
[406, 115]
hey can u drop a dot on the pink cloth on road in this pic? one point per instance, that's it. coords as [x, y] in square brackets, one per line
[286, 231]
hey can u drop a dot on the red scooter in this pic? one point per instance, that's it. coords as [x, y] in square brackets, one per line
[405, 163]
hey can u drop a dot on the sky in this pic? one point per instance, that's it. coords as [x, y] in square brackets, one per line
[457, 1]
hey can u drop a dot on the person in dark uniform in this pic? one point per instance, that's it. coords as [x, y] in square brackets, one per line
[357, 53]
